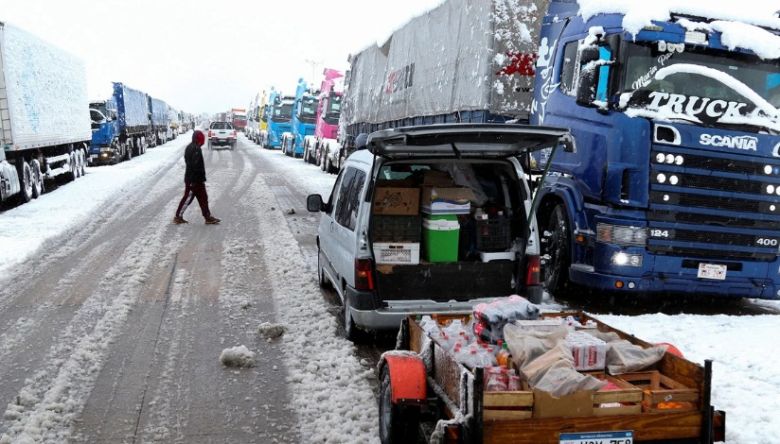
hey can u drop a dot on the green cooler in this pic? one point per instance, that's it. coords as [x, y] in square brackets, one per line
[440, 238]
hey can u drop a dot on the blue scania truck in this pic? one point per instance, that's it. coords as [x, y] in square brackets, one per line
[672, 182]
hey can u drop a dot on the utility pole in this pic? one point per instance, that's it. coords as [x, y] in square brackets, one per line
[314, 64]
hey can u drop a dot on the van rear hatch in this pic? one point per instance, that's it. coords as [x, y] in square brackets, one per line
[486, 141]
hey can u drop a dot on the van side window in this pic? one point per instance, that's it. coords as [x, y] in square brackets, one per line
[567, 67]
[349, 198]
[334, 193]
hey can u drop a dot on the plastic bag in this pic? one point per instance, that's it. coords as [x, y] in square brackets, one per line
[535, 368]
[562, 380]
[526, 345]
[625, 357]
[491, 318]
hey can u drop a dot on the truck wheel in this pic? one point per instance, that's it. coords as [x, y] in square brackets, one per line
[395, 425]
[306, 154]
[37, 179]
[322, 161]
[73, 162]
[557, 249]
[83, 162]
[129, 152]
[25, 179]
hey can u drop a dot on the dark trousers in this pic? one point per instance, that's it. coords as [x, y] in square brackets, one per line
[191, 191]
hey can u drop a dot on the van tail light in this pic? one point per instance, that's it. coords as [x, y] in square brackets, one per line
[534, 270]
[364, 274]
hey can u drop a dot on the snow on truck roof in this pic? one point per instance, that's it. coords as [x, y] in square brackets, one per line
[740, 23]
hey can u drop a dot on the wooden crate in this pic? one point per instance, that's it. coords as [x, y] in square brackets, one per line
[507, 406]
[662, 393]
[625, 401]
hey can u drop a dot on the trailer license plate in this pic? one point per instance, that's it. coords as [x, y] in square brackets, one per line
[624, 437]
[712, 271]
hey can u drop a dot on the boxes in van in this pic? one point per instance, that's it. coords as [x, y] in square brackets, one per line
[476, 168]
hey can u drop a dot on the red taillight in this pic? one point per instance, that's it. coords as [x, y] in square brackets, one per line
[534, 269]
[364, 274]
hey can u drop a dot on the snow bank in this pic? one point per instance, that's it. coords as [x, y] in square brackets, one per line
[330, 390]
[70, 206]
[746, 368]
[739, 25]
[239, 356]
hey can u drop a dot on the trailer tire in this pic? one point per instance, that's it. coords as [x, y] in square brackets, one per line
[25, 182]
[129, 152]
[83, 161]
[558, 248]
[77, 163]
[395, 425]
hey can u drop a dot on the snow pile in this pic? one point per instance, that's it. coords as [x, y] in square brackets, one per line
[239, 356]
[331, 391]
[746, 368]
[739, 24]
[271, 331]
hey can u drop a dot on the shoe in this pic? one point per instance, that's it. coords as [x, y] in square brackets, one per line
[179, 220]
[212, 220]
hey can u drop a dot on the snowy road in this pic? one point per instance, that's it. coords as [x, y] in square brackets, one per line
[119, 342]
[112, 319]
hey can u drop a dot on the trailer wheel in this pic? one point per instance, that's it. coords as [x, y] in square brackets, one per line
[77, 164]
[25, 178]
[129, 152]
[395, 425]
[557, 247]
[83, 161]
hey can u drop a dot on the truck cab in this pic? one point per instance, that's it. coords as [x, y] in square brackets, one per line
[303, 120]
[280, 112]
[673, 182]
[104, 147]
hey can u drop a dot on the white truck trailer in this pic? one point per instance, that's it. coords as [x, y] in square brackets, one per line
[45, 126]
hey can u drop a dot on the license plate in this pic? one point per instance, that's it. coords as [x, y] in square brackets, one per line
[712, 271]
[624, 437]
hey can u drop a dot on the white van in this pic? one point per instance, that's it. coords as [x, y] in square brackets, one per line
[431, 219]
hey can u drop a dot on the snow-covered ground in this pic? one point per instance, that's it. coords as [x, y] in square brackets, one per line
[27, 227]
[330, 389]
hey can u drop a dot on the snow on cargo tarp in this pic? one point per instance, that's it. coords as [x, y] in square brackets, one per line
[46, 90]
[757, 13]
[464, 55]
[159, 112]
[133, 105]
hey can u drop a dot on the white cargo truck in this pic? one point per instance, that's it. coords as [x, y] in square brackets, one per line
[45, 126]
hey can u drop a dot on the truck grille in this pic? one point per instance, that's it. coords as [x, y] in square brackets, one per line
[731, 196]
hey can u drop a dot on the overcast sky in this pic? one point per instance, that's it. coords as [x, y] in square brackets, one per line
[209, 56]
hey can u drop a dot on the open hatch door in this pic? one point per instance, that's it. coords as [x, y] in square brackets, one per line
[470, 140]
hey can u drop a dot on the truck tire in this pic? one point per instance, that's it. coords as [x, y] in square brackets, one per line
[306, 154]
[557, 248]
[25, 182]
[83, 161]
[72, 163]
[129, 152]
[37, 178]
[395, 425]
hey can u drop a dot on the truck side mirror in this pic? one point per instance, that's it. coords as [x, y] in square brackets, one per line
[314, 203]
[593, 79]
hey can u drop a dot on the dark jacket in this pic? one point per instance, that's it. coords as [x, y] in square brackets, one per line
[196, 170]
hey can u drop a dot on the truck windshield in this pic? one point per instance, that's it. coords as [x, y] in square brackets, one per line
[283, 111]
[707, 94]
[333, 110]
[309, 107]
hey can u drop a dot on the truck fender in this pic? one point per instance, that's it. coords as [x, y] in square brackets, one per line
[407, 375]
[573, 202]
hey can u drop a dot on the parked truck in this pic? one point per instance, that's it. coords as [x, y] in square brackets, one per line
[672, 183]
[322, 148]
[303, 116]
[238, 118]
[45, 124]
[125, 129]
[158, 110]
[278, 118]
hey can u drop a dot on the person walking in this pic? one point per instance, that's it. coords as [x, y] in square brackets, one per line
[195, 181]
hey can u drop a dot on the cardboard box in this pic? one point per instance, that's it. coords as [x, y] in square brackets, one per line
[575, 405]
[393, 201]
[442, 200]
[436, 178]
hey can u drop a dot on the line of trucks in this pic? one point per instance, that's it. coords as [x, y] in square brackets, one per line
[50, 132]
[672, 181]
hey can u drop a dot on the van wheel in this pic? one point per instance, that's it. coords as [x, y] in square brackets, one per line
[557, 249]
[351, 332]
[321, 279]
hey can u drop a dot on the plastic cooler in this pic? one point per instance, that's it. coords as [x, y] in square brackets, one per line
[440, 238]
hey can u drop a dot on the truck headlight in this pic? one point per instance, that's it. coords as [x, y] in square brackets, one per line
[621, 235]
[622, 259]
